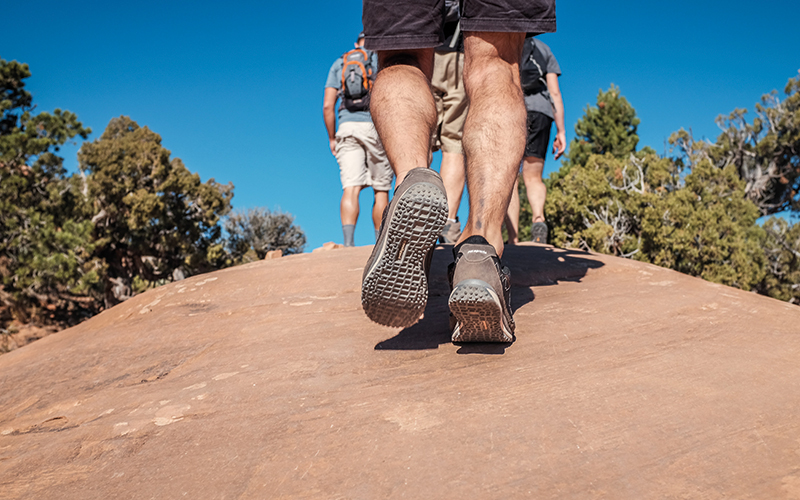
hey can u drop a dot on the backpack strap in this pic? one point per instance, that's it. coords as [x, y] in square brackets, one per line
[456, 34]
[366, 72]
[366, 66]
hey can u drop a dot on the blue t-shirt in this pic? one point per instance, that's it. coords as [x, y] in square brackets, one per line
[335, 82]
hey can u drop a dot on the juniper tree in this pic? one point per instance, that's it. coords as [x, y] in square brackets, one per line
[706, 228]
[702, 225]
[610, 127]
[766, 152]
[782, 248]
[598, 205]
[258, 230]
[45, 243]
[153, 219]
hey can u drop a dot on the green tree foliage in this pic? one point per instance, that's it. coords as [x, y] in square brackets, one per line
[694, 211]
[45, 245]
[153, 219]
[258, 231]
[702, 225]
[597, 206]
[610, 127]
[782, 249]
[766, 152]
[131, 219]
[706, 228]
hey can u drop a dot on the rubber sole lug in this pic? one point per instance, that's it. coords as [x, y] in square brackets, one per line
[395, 290]
[478, 313]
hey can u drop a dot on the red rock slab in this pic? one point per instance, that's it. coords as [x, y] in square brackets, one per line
[626, 381]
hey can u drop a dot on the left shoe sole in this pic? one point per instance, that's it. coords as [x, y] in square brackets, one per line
[395, 290]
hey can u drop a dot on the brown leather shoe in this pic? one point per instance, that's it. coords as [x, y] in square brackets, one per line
[481, 294]
[394, 287]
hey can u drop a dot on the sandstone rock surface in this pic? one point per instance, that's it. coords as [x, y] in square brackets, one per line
[626, 381]
[327, 247]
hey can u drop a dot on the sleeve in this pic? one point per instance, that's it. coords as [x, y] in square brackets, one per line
[373, 60]
[335, 75]
[552, 63]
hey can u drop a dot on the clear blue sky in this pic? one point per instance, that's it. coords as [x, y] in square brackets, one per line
[236, 91]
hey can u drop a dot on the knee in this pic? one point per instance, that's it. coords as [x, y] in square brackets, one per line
[532, 169]
[494, 77]
[492, 57]
[533, 180]
[351, 193]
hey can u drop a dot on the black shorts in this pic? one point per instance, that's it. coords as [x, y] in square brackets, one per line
[417, 24]
[539, 125]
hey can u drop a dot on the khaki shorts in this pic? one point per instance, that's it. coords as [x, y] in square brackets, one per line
[362, 160]
[451, 101]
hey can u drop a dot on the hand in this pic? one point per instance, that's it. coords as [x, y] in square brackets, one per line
[333, 145]
[560, 144]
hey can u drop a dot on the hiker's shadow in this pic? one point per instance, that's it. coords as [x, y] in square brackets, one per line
[530, 265]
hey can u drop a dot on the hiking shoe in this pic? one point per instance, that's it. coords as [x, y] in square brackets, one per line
[539, 232]
[481, 294]
[394, 288]
[451, 232]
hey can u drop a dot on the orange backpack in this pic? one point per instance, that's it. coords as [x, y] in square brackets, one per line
[357, 77]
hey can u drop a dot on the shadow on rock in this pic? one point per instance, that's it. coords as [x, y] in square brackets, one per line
[491, 348]
[544, 265]
[430, 332]
[530, 266]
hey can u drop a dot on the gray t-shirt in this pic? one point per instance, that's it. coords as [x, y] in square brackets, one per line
[335, 81]
[542, 102]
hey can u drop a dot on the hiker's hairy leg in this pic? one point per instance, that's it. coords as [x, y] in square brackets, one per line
[403, 109]
[534, 185]
[494, 133]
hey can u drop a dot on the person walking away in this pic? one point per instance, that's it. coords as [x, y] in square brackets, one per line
[447, 84]
[355, 143]
[539, 72]
[394, 287]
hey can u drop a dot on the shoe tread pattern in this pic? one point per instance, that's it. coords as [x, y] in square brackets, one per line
[395, 291]
[478, 313]
[539, 233]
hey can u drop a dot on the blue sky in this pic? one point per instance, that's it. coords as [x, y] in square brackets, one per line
[236, 91]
